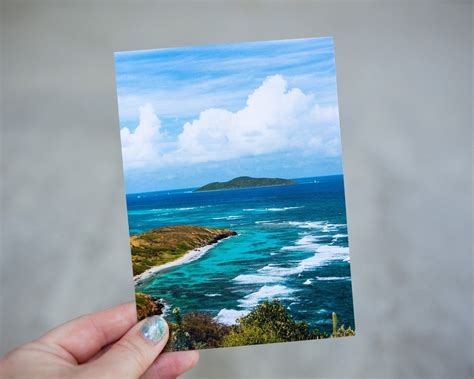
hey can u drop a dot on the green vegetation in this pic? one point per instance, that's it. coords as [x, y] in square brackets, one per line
[164, 245]
[341, 331]
[244, 182]
[195, 331]
[269, 322]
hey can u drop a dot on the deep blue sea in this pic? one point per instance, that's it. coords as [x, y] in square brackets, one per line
[292, 245]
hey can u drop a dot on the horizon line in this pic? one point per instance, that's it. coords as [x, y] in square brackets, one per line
[189, 188]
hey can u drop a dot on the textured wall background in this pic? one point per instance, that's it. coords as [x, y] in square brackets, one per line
[405, 94]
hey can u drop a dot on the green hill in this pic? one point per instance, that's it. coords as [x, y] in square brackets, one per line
[244, 182]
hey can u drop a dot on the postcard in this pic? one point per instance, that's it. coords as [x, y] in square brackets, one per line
[235, 191]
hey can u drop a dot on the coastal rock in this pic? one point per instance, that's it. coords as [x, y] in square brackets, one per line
[147, 305]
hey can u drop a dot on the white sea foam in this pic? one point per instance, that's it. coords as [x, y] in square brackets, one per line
[185, 208]
[256, 279]
[166, 307]
[272, 269]
[307, 282]
[308, 224]
[282, 209]
[227, 218]
[265, 293]
[212, 294]
[333, 277]
[324, 226]
[324, 254]
[230, 316]
[273, 209]
[307, 242]
[332, 227]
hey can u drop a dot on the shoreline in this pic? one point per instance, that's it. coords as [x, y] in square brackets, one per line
[190, 256]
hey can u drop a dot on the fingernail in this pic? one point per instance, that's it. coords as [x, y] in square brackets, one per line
[154, 328]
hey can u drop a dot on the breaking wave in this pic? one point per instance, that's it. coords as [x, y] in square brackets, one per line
[265, 293]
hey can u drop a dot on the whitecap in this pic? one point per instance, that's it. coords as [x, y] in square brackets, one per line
[282, 209]
[333, 227]
[324, 254]
[256, 279]
[307, 282]
[212, 294]
[230, 316]
[307, 242]
[227, 218]
[333, 277]
[265, 293]
[271, 209]
[308, 224]
[272, 269]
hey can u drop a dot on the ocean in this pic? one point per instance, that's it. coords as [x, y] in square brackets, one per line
[292, 245]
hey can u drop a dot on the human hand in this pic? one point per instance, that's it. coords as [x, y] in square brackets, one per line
[108, 344]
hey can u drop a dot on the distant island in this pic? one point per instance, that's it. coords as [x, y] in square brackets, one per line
[244, 182]
[170, 246]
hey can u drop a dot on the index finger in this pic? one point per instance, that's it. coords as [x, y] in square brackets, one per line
[85, 336]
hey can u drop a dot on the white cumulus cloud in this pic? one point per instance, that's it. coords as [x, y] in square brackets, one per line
[141, 147]
[275, 119]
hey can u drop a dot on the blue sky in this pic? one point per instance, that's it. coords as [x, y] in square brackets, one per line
[197, 114]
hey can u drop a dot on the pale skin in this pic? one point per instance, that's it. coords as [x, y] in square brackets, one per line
[107, 344]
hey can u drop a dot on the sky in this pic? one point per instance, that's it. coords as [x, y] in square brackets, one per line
[194, 115]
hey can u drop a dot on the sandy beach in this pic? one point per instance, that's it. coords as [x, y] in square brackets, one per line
[190, 256]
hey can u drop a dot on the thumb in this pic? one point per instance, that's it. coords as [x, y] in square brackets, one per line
[131, 356]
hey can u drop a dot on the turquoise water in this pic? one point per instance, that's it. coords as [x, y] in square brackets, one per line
[292, 245]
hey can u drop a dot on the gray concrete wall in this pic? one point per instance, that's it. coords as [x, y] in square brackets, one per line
[404, 73]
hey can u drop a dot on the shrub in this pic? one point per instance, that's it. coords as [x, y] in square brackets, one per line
[195, 331]
[203, 330]
[179, 338]
[268, 322]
